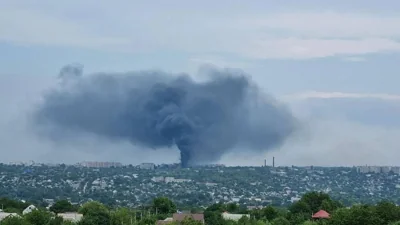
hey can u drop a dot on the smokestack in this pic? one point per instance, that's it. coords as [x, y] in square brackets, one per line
[273, 161]
[265, 163]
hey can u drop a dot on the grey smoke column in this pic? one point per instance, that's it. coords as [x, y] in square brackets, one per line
[155, 109]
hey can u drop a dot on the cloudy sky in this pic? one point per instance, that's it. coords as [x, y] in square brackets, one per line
[335, 63]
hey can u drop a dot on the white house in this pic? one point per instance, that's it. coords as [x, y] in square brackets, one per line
[71, 216]
[234, 217]
[28, 209]
[4, 215]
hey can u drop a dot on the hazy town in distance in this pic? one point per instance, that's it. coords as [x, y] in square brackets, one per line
[253, 187]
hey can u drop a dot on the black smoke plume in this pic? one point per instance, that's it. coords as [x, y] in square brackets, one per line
[155, 109]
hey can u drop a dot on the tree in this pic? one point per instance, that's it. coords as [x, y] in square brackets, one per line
[94, 213]
[56, 221]
[213, 218]
[190, 221]
[244, 220]
[14, 220]
[67, 222]
[300, 207]
[308, 222]
[388, 212]
[163, 205]
[62, 206]
[280, 221]
[12, 206]
[269, 213]
[232, 208]
[314, 200]
[122, 216]
[148, 220]
[38, 217]
[298, 218]
[356, 215]
[92, 207]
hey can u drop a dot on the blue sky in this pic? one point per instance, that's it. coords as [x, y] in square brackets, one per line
[318, 40]
[304, 50]
[324, 46]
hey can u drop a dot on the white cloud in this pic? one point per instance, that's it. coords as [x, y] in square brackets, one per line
[26, 26]
[341, 143]
[217, 61]
[295, 48]
[329, 142]
[331, 95]
[327, 24]
[354, 59]
[137, 27]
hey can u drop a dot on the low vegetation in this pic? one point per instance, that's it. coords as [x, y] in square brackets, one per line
[299, 213]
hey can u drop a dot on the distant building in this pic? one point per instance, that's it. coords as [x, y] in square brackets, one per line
[166, 221]
[4, 215]
[321, 215]
[100, 164]
[158, 179]
[210, 165]
[49, 201]
[179, 217]
[234, 217]
[147, 166]
[253, 207]
[378, 169]
[29, 209]
[71, 216]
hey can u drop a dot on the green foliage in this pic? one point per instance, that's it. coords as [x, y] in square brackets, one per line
[309, 222]
[190, 221]
[356, 215]
[388, 212]
[148, 220]
[269, 213]
[56, 221]
[212, 215]
[280, 221]
[232, 208]
[313, 202]
[163, 205]
[62, 206]
[38, 217]
[244, 220]
[94, 213]
[122, 216]
[93, 208]
[66, 222]
[14, 220]
[12, 206]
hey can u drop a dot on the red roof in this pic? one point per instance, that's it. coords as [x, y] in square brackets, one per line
[321, 214]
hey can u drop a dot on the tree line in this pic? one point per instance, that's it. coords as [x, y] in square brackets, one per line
[299, 213]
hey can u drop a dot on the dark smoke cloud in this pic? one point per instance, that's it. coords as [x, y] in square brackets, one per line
[155, 109]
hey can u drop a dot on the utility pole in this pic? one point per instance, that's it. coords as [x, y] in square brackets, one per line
[135, 217]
